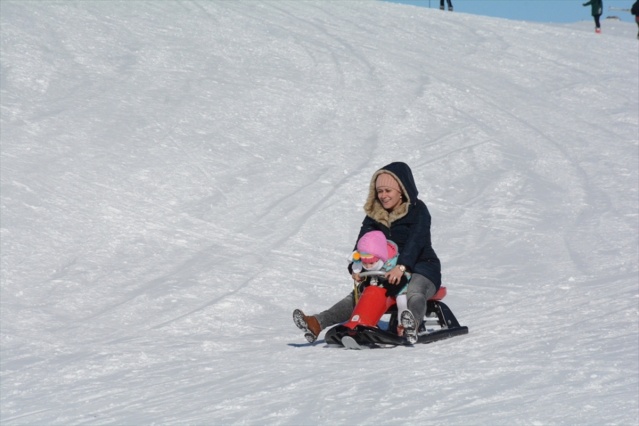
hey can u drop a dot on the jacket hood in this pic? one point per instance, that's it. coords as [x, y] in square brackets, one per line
[403, 174]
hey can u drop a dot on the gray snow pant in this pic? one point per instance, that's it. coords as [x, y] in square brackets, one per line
[419, 290]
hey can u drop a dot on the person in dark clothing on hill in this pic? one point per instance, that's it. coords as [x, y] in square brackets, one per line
[393, 208]
[597, 9]
[450, 5]
[635, 11]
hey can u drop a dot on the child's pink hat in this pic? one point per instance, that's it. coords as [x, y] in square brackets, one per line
[373, 243]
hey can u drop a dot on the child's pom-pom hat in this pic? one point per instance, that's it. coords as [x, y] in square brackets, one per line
[373, 243]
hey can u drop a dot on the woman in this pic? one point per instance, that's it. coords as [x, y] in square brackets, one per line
[596, 11]
[392, 207]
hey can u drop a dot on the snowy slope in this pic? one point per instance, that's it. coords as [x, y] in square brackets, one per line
[177, 177]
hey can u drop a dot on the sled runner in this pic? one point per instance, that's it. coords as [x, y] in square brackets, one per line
[362, 330]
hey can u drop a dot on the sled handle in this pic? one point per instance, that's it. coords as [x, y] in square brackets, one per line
[366, 274]
[372, 274]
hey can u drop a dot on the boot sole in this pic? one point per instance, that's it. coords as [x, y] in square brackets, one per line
[298, 319]
[410, 326]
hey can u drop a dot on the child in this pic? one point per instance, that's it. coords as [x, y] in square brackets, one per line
[376, 253]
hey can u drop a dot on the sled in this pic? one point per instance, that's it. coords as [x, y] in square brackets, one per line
[363, 329]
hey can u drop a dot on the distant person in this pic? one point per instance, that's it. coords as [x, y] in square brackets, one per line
[450, 5]
[597, 10]
[635, 11]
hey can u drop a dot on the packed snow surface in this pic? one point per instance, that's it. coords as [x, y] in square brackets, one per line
[177, 177]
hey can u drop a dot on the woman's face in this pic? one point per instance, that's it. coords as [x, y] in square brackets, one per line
[389, 197]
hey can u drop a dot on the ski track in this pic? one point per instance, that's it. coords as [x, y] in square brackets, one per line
[177, 178]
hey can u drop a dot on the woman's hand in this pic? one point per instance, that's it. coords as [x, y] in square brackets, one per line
[394, 276]
[357, 278]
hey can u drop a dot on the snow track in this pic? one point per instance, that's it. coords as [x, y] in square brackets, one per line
[177, 177]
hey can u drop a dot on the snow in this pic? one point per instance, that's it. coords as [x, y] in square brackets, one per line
[177, 177]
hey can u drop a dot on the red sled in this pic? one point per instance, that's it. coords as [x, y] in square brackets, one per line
[363, 329]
